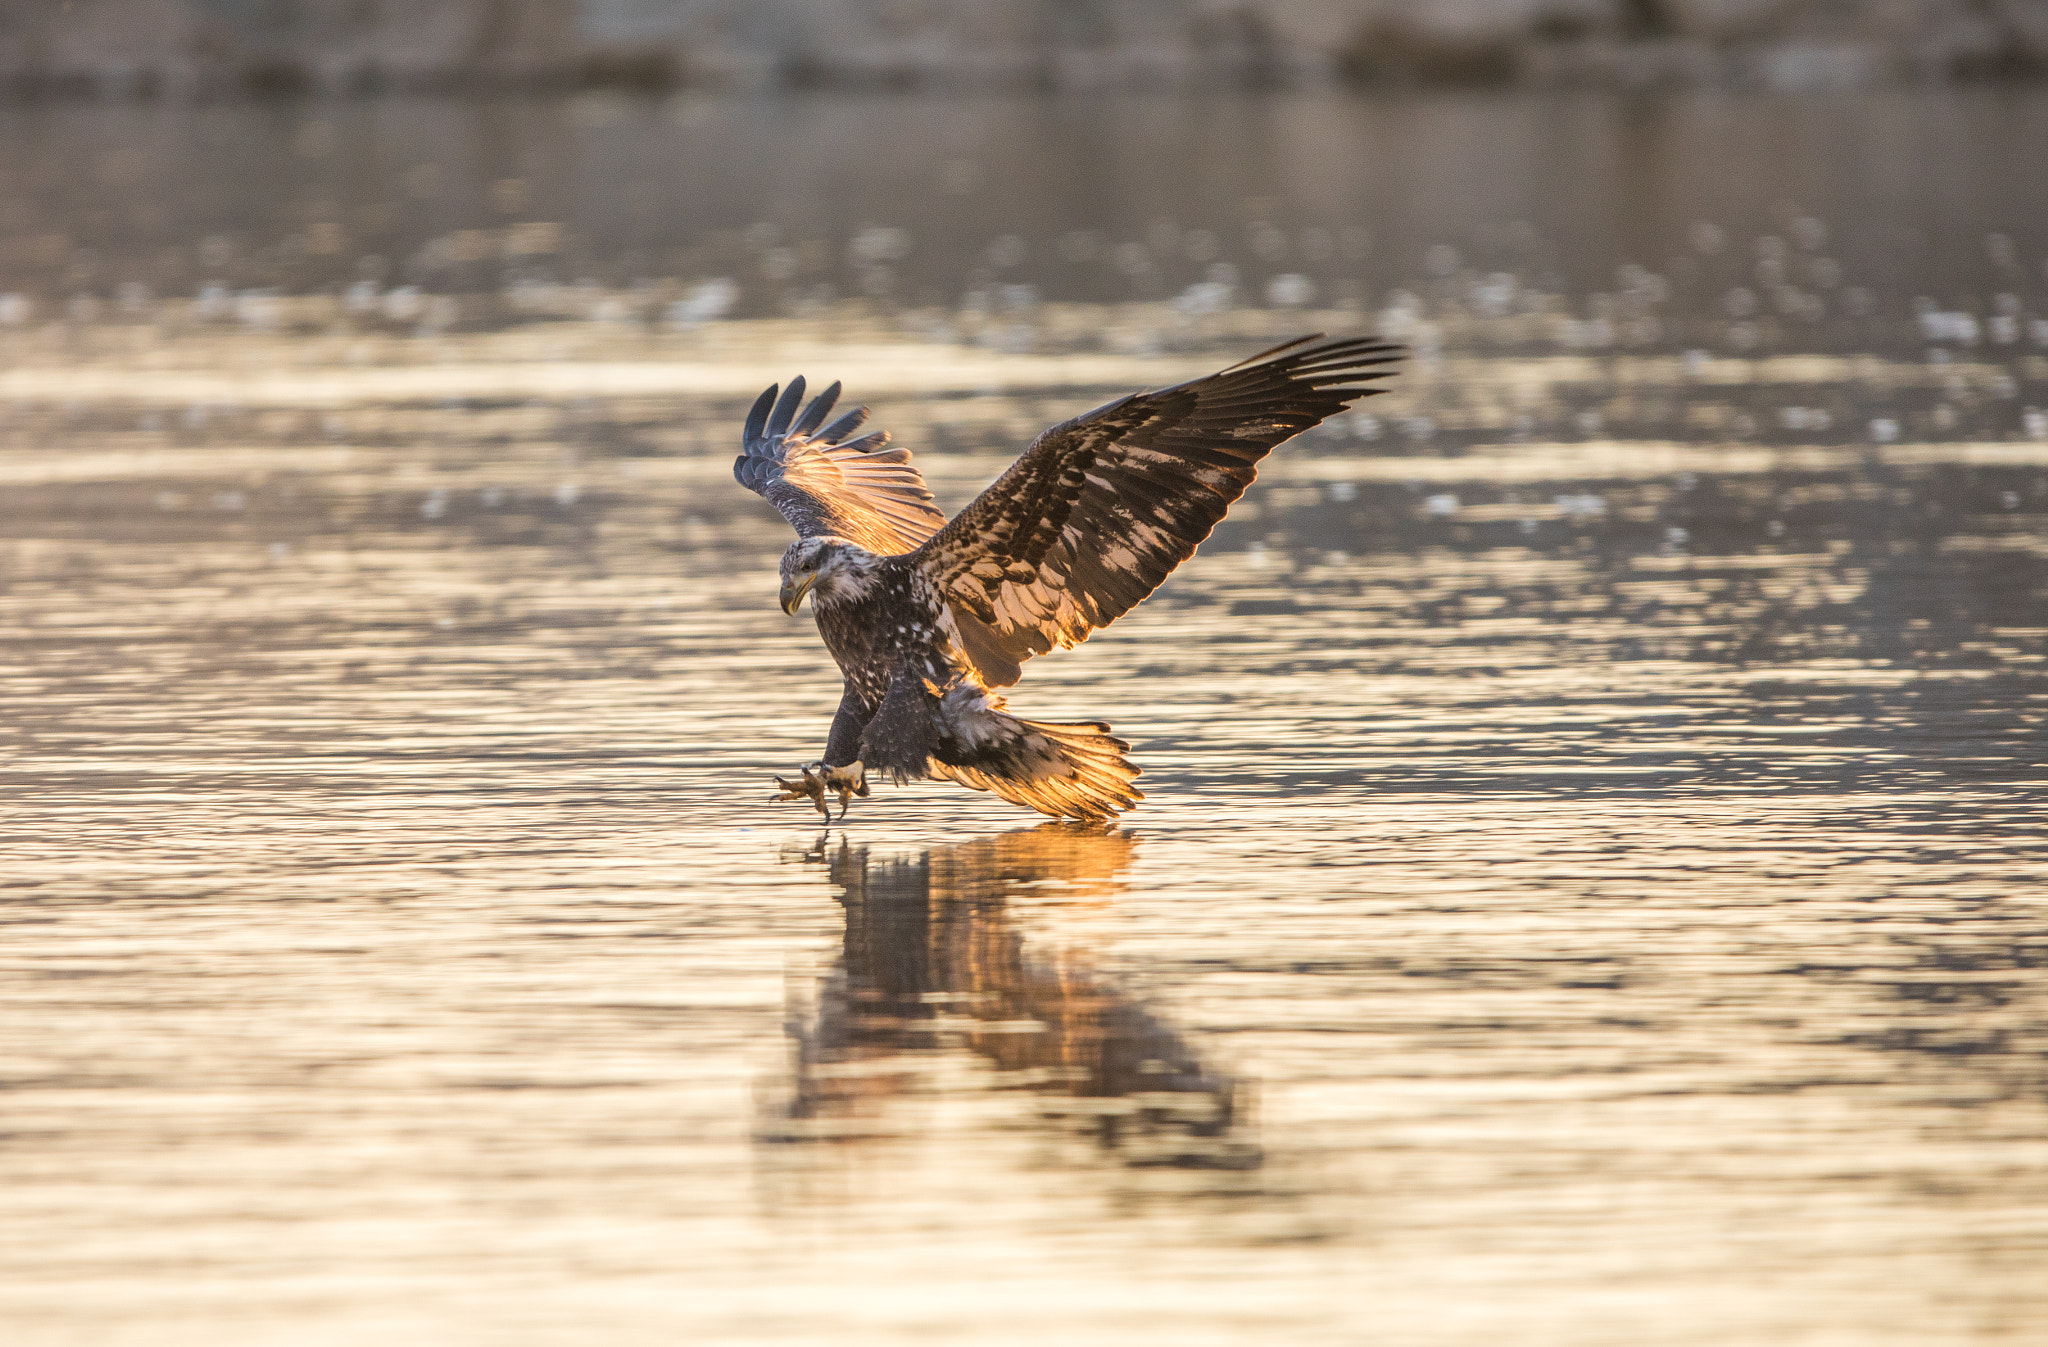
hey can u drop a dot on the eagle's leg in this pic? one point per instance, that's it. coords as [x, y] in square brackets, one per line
[842, 745]
[839, 772]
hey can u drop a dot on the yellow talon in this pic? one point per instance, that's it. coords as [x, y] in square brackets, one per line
[846, 782]
[810, 788]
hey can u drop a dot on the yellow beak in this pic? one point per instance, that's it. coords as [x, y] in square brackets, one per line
[793, 594]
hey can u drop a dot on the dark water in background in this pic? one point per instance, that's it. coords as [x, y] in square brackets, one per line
[1108, 200]
[1592, 889]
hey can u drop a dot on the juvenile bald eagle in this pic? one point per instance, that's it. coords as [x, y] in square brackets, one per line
[926, 617]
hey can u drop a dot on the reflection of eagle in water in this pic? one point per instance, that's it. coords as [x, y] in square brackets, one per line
[934, 959]
[927, 617]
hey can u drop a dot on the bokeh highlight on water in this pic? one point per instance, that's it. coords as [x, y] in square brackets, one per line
[1591, 889]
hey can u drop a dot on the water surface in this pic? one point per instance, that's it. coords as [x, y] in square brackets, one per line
[1592, 888]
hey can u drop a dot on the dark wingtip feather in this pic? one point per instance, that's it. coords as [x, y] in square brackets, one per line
[757, 419]
[1263, 356]
[844, 426]
[1346, 361]
[785, 408]
[814, 415]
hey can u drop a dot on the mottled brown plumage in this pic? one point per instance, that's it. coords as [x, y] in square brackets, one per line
[1100, 509]
[926, 618]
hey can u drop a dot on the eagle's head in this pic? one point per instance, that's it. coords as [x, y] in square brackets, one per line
[831, 570]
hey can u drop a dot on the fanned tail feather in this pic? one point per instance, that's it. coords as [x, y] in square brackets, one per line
[1065, 770]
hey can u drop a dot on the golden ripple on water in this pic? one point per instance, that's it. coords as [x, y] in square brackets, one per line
[1594, 934]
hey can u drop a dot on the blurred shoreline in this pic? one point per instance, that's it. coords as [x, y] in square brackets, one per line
[220, 49]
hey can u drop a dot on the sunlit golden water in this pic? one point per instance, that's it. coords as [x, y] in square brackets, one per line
[1592, 889]
[1542, 928]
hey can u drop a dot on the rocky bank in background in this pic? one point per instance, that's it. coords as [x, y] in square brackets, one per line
[220, 48]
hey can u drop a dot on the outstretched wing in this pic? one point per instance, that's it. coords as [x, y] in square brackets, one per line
[825, 483]
[1100, 509]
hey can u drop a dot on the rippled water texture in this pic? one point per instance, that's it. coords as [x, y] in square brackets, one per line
[1592, 887]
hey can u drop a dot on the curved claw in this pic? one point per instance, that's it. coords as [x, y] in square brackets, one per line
[848, 781]
[809, 787]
